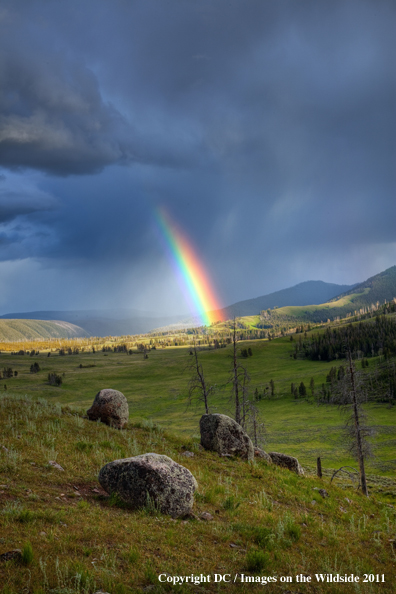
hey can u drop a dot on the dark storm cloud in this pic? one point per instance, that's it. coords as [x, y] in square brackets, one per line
[14, 204]
[267, 129]
[53, 116]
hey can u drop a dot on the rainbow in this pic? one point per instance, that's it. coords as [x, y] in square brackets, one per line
[193, 279]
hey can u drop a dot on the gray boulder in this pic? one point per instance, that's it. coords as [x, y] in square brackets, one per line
[259, 453]
[286, 462]
[110, 407]
[151, 479]
[225, 436]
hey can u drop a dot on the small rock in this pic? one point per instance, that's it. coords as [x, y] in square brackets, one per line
[313, 502]
[43, 534]
[206, 516]
[259, 453]
[323, 492]
[15, 554]
[77, 493]
[286, 461]
[96, 491]
[190, 516]
[188, 454]
[55, 465]
[4, 448]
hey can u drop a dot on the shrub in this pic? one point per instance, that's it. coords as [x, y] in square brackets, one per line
[293, 531]
[27, 554]
[54, 379]
[26, 516]
[256, 561]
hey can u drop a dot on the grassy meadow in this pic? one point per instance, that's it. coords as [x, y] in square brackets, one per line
[157, 388]
[267, 521]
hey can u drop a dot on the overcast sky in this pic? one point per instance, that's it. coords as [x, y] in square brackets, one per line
[265, 128]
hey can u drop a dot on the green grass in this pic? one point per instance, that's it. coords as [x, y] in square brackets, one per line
[157, 388]
[77, 540]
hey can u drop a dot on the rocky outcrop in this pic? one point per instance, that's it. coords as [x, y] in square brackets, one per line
[151, 479]
[110, 407]
[286, 462]
[225, 436]
[259, 453]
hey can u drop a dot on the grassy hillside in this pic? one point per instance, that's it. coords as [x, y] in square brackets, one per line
[362, 298]
[266, 521]
[157, 388]
[309, 292]
[20, 330]
[379, 288]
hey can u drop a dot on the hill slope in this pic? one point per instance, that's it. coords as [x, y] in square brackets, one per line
[362, 297]
[266, 522]
[102, 322]
[306, 293]
[12, 330]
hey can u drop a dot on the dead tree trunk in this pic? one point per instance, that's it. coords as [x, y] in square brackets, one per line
[235, 380]
[358, 436]
[319, 467]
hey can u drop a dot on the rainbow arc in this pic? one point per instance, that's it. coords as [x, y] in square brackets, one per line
[192, 277]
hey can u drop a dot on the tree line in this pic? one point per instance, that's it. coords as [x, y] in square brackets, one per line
[364, 340]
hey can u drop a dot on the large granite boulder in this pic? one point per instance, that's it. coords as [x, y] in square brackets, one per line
[151, 479]
[110, 407]
[222, 434]
[286, 462]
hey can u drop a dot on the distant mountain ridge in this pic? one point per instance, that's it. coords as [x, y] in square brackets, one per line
[381, 286]
[306, 293]
[306, 301]
[102, 322]
[375, 290]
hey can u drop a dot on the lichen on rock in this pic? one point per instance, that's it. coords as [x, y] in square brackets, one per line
[151, 478]
[110, 407]
[225, 436]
